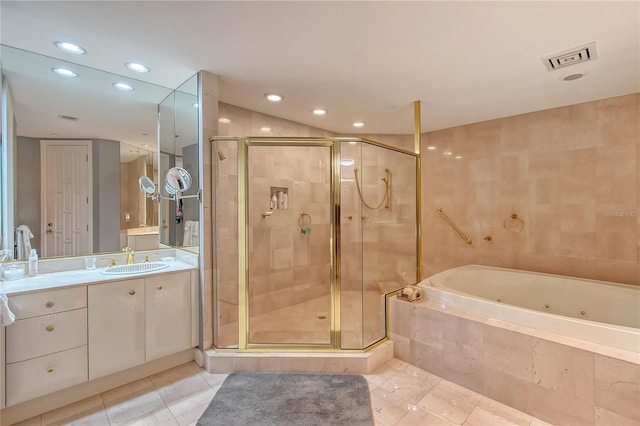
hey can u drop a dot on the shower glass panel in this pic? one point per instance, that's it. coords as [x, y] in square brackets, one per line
[311, 235]
[225, 196]
[378, 236]
[289, 232]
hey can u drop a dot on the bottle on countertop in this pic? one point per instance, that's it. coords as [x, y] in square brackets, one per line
[274, 202]
[285, 201]
[33, 263]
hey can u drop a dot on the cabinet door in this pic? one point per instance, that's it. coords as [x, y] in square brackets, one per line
[168, 303]
[116, 326]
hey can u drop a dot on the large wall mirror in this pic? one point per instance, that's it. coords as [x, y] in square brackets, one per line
[82, 131]
[178, 142]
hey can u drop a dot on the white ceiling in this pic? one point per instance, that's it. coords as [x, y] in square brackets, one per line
[466, 61]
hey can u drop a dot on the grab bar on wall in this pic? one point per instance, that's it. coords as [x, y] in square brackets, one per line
[453, 225]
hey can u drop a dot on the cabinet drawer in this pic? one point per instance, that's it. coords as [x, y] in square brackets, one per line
[46, 374]
[48, 302]
[34, 337]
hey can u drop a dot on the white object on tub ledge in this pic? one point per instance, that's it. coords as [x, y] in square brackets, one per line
[6, 316]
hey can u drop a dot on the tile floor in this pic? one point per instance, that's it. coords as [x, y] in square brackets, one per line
[401, 394]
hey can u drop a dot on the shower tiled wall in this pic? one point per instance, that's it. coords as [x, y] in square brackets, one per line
[570, 173]
[287, 267]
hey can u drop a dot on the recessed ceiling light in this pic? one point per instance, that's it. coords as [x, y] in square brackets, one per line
[224, 120]
[123, 86]
[70, 47]
[64, 72]
[358, 124]
[273, 97]
[431, 148]
[319, 111]
[195, 105]
[133, 66]
[265, 129]
[447, 153]
[458, 157]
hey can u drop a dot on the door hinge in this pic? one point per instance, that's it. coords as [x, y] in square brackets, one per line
[87, 158]
[87, 200]
[87, 227]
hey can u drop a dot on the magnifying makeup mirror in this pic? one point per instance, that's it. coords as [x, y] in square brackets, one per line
[146, 185]
[178, 180]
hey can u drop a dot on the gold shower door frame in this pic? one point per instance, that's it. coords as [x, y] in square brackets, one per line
[243, 232]
[243, 240]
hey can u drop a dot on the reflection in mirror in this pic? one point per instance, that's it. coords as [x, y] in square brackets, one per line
[179, 224]
[146, 185]
[178, 180]
[117, 133]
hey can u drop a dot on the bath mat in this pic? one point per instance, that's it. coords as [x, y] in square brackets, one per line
[284, 399]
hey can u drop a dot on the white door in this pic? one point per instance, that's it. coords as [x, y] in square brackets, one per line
[67, 223]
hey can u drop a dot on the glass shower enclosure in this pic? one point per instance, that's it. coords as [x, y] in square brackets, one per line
[311, 235]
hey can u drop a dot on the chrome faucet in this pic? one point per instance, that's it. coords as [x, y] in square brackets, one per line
[129, 251]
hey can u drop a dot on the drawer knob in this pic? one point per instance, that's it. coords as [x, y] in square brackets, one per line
[49, 304]
[132, 292]
[159, 287]
[50, 369]
[50, 327]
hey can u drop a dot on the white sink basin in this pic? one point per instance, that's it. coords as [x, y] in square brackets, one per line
[136, 268]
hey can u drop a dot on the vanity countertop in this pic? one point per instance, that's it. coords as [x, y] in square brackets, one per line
[80, 277]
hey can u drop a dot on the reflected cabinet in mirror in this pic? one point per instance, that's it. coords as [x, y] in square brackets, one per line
[75, 151]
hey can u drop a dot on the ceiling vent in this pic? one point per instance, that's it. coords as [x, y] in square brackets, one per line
[569, 57]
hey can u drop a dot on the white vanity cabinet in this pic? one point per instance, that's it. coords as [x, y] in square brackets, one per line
[138, 320]
[116, 326]
[46, 348]
[80, 333]
[168, 314]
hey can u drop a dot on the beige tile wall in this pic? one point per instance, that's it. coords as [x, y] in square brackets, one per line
[570, 173]
[287, 267]
[556, 382]
[244, 123]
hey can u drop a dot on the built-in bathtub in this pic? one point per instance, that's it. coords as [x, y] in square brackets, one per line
[562, 349]
[595, 311]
